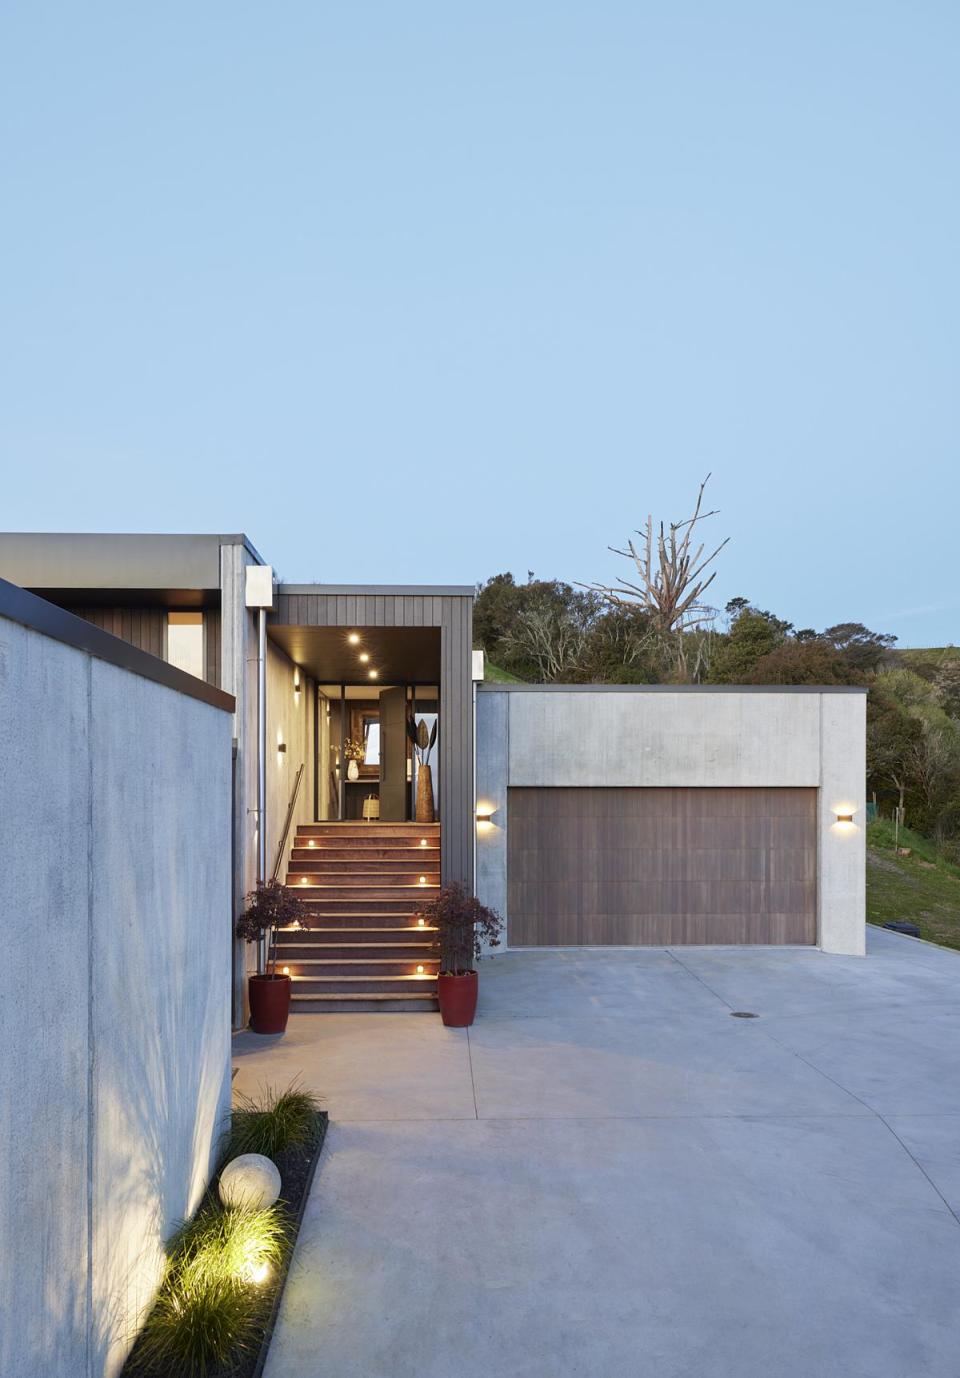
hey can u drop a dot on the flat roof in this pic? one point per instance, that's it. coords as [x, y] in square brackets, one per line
[380, 590]
[497, 687]
[27, 609]
[86, 560]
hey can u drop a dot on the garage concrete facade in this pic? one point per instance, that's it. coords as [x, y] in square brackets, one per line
[666, 814]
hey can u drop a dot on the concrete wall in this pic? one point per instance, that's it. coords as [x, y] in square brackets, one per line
[289, 721]
[650, 737]
[115, 1026]
[238, 676]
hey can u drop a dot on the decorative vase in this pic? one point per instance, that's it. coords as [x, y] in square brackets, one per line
[353, 771]
[269, 1003]
[458, 998]
[424, 795]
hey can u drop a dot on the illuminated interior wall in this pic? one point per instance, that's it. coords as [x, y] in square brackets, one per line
[115, 1074]
[290, 724]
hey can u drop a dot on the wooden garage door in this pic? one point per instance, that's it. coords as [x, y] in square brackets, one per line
[661, 866]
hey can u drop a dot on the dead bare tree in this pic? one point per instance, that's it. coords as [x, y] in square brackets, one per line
[671, 573]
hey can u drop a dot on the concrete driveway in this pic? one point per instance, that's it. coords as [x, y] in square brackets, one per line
[611, 1176]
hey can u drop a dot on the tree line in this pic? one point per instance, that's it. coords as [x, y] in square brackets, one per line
[657, 629]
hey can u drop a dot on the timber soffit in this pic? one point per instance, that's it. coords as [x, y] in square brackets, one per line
[38, 615]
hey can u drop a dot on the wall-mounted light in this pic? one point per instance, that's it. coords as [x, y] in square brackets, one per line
[296, 681]
[844, 817]
[485, 815]
[281, 746]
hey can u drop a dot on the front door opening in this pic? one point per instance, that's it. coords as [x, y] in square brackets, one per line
[367, 764]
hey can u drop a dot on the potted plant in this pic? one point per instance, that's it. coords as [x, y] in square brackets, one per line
[269, 907]
[423, 739]
[354, 753]
[464, 927]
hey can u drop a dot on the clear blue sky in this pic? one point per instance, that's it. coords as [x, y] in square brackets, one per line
[429, 291]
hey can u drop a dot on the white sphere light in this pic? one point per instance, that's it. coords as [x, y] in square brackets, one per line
[250, 1181]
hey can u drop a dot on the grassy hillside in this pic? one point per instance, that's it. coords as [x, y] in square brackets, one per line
[494, 675]
[919, 657]
[922, 888]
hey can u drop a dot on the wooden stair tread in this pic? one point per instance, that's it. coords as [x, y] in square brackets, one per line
[337, 885]
[361, 962]
[370, 995]
[354, 873]
[359, 928]
[407, 979]
[360, 947]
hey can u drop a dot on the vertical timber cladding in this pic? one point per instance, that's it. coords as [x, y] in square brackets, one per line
[319, 605]
[145, 626]
[141, 626]
[662, 866]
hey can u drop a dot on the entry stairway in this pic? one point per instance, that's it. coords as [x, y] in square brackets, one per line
[365, 946]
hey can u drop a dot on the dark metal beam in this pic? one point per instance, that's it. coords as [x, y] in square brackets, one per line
[28, 610]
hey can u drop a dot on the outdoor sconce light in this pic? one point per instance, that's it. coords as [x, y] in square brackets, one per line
[423, 880]
[296, 682]
[281, 746]
[485, 815]
[421, 923]
[844, 817]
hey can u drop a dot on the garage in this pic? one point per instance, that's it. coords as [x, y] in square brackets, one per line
[661, 866]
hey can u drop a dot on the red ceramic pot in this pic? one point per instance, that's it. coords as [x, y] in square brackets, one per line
[269, 1003]
[458, 998]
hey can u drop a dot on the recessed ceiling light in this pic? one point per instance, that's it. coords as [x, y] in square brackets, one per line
[353, 638]
[373, 674]
[364, 657]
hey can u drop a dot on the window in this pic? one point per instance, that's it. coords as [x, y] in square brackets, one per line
[185, 641]
[371, 741]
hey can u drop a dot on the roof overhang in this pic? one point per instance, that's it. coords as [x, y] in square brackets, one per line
[132, 568]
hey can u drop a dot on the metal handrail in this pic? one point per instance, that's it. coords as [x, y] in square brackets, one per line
[286, 826]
